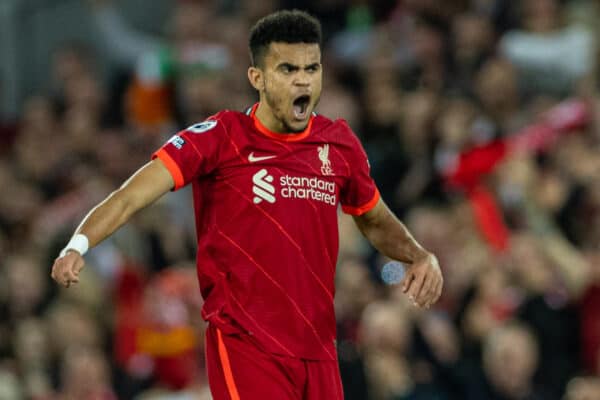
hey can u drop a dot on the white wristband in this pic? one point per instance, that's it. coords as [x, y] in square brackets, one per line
[78, 242]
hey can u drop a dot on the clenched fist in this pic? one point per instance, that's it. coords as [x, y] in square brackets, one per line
[66, 269]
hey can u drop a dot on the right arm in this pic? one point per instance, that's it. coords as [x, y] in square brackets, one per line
[143, 188]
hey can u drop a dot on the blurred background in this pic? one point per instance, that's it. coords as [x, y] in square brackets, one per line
[480, 118]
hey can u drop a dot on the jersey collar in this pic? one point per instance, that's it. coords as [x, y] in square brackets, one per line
[287, 137]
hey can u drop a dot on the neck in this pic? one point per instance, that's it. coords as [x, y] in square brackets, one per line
[265, 115]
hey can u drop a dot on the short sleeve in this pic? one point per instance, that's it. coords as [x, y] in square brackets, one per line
[359, 194]
[192, 152]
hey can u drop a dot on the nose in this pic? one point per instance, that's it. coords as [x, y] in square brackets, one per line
[302, 78]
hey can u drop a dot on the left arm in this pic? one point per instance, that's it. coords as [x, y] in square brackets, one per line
[423, 279]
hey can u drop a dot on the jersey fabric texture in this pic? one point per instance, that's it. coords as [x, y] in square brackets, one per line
[237, 369]
[266, 220]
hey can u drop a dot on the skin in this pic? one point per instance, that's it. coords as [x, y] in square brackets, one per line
[286, 72]
[423, 280]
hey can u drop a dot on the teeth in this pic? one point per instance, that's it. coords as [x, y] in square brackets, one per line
[300, 109]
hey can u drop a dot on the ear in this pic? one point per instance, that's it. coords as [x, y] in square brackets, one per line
[256, 78]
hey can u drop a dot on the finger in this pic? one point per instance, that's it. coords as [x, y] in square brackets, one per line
[59, 276]
[63, 279]
[421, 296]
[71, 276]
[69, 282]
[427, 291]
[437, 289]
[431, 295]
[407, 281]
[78, 267]
[56, 271]
[416, 285]
[79, 264]
[440, 289]
[435, 294]
[59, 270]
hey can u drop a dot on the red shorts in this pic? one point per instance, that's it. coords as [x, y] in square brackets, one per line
[239, 370]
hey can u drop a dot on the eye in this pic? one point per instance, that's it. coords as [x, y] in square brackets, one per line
[312, 68]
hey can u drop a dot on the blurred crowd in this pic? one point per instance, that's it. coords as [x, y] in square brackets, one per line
[480, 118]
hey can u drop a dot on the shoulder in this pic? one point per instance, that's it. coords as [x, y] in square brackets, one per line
[338, 128]
[227, 117]
[219, 122]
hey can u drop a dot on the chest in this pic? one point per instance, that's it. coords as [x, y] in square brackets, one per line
[272, 171]
[318, 157]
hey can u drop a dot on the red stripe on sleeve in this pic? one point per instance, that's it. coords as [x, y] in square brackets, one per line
[172, 166]
[364, 208]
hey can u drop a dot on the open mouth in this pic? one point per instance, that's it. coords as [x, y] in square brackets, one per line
[300, 107]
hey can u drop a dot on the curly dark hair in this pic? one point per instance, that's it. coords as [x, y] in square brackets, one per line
[287, 26]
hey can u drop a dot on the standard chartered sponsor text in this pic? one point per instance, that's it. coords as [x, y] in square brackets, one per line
[298, 187]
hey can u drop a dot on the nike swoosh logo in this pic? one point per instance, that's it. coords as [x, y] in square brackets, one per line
[253, 158]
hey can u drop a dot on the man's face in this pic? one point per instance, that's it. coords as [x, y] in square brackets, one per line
[291, 83]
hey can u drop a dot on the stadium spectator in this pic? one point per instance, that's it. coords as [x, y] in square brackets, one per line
[423, 83]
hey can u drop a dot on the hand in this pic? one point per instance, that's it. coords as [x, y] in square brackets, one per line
[423, 281]
[66, 269]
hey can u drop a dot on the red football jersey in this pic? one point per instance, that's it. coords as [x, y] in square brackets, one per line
[266, 219]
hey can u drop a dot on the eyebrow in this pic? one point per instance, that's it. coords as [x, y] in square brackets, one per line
[295, 67]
